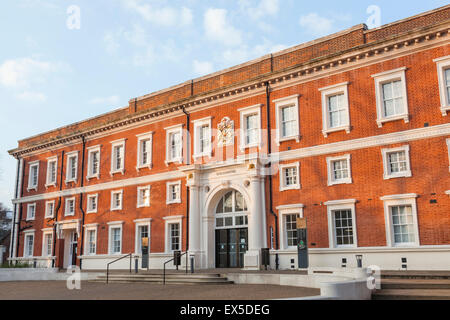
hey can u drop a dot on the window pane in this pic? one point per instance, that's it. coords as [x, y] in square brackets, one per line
[402, 224]
[343, 227]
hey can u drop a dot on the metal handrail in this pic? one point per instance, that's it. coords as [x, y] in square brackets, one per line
[164, 269]
[107, 266]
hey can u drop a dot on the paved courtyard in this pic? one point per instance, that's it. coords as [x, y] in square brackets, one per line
[57, 290]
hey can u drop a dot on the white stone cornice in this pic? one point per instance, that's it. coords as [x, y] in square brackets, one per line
[399, 197]
[338, 202]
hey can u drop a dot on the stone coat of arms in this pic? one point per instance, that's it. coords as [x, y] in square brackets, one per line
[225, 132]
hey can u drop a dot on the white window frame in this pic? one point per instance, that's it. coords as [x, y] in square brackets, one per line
[400, 200]
[28, 233]
[70, 155]
[114, 225]
[337, 89]
[331, 180]
[66, 207]
[442, 64]
[387, 174]
[244, 113]
[113, 208]
[335, 205]
[31, 205]
[46, 232]
[291, 101]
[48, 182]
[140, 203]
[198, 124]
[283, 211]
[87, 228]
[168, 221]
[169, 131]
[88, 201]
[285, 166]
[90, 174]
[139, 223]
[168, 193]
[114, 144]
[386, 77]
[448, 149]
[47, 214]
[31, 186]
[140, 138]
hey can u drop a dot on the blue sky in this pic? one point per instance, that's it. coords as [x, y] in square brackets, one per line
[53, 73]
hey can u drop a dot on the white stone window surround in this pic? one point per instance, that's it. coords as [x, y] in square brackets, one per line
[88, 203]
[340, 88]
[335, 205]
[31, 207]
[244, 113]
[111, 226]
[28, 233]
[169, 199]
[448, 149]
[198, 124]
[113, 205]
[67, 213]
[49, 215]
[140, 138]
[114, 144]
[140, 203]
[48, 182]
[331, 180]
[45, 232]
[169, 131]
[443, 63]
[400, 200]
[386, 77]
[139, 223]
[447, 192]
[291, 101]
[283, 211]
[87, 228]
[282, 168]
[31, 185]
[90, 174]
[386, 165]
[168, 221]
[71, 155]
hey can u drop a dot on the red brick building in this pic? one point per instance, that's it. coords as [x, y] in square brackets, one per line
[350, 131]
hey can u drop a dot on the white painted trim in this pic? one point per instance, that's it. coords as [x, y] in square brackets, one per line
[398, 200]
[169, 131]
[198, 124]
[283, 211]
[385, 77]
[141, 137]
[341, 88]
[113, 207]
[28, 233]
[31, 186]
[447, 192]
[244, 112]
[114, 144]
[168, 193]
[448, 149]
[66, 207]
[282, 167]
[291, 101]
[387, 174]
[442, 64]
[139, 223]
[331, 180]
[88, 198]
[44, 244]
[49, 183]
[290, 206]
[341, 205]
[70, 155]
[168, 221]
[31, 205]
[91, 150]
[47, 215]
[138, 197]
[115, 225]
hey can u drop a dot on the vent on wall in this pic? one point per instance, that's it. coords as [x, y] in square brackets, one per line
[344, 263]
[404, 263]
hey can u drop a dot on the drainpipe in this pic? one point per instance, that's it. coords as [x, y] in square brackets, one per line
[16, 194]
[269, 146]
[81, 199]
[57, 209]
[188, 151]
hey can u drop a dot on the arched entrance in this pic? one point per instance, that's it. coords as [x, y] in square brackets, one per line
[231, 227]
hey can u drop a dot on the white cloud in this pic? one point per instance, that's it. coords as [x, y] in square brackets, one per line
[162, 16]
[218, 28]
[264, 8]
[245, 53]
[30, 96]
[202, 67]
[23, 72]
[105, 100]
[316, 25]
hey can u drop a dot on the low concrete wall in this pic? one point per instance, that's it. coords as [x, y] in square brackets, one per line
[47, 274]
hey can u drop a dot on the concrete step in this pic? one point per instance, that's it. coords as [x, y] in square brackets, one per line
[170, 278]
[168, 281]
[169, 275]
[426, 275]
[415, 284]
[412, 294]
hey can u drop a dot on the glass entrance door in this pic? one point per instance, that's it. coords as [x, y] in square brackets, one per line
[231, 245]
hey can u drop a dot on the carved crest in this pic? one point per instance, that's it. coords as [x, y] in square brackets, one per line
[225, 132]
